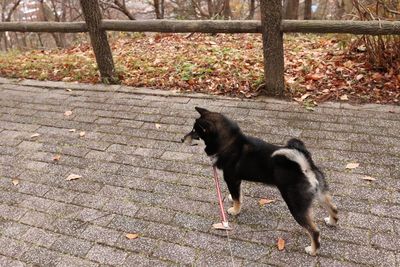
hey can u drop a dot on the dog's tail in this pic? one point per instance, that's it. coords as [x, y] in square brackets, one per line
[296, 151]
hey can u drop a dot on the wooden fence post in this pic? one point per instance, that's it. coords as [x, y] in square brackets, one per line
[271, 18]
[98, 38]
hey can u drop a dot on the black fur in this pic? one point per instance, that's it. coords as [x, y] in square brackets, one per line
[243, 157]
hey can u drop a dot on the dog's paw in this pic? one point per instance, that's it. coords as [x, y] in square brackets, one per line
[330, 221]
[233, 211]
[230, 198]
[310, 251]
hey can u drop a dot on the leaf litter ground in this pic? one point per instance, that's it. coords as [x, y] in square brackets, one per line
[317, 68]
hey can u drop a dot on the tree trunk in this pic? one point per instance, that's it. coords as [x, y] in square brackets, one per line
[48, 15]
[307, 9]
[63, 19]
[40, 40]
[227, 12]
[98, 38]
[159, 8]
[252, 9]
[322, 8]
[162, 7]
[210, 7]
[292, 9]
[271, 18]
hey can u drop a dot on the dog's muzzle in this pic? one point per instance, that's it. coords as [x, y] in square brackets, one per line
[188, 138]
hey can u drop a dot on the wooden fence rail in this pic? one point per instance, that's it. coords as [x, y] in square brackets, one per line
[271, 27]
[211, 26]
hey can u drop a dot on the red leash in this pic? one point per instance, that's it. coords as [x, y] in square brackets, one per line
[224, 225]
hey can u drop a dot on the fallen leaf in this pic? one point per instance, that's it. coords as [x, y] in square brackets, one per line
[264, 201]
[377, 76]
[352, 165]
[132, 236]
[368, 178]
[344, 98]
[56, 157]
[301, 99]
[73, 177]
[359, 77]
[68, 90]
[68, 113]
[221, 226]
[82, 134]
[158, 126]
[304, 96]
[281, 243]
[15, 182]
[72, 130]
[314, 77]
[35, 135]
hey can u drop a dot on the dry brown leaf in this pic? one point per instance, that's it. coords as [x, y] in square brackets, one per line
[314, 77]
[344, 98]
[82, 134]
[132, 236]
[352, 165]
[359, 77]
[281, 243]
[302, 98]
[264, 201]
[35, 135]
[56, 157]
[15, 182]
[368, 178]
[68, 113]
[221, 226]
[73, 177]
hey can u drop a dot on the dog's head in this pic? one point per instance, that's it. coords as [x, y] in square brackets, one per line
[214, 129]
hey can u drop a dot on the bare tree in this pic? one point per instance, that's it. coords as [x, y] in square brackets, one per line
[50, 14]
[183, 9]
[119, 5]
[252, 9]
[159, 8]
[292, 9]
[226, 9]
[8, 8]
[212, 9]
[307, 9]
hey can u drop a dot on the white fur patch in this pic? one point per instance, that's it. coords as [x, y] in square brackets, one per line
[330, 221]
[299, 158]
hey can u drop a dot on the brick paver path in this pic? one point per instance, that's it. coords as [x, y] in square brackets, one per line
[138, 178]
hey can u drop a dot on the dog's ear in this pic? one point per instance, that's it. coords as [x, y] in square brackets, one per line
[202, 111]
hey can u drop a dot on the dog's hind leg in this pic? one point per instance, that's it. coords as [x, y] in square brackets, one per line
[300, 207]
[325, 200]
[236, 194]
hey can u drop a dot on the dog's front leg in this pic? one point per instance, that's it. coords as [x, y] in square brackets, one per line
[236, 194]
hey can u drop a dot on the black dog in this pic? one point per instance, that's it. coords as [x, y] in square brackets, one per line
[289, 168]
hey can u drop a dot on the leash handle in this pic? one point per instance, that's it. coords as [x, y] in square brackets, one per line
[221, 205]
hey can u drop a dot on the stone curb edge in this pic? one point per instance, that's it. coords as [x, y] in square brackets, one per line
[158, 92]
